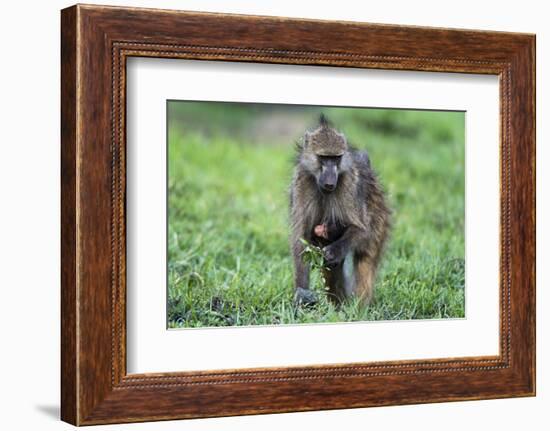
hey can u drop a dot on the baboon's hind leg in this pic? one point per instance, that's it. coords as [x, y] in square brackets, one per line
[335, 282]
[365, 274]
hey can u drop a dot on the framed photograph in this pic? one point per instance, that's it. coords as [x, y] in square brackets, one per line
[263, 214]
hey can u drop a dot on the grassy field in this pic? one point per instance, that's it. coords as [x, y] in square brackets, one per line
[229, 171]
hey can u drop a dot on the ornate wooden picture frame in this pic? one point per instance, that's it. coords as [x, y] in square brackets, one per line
[96, 41]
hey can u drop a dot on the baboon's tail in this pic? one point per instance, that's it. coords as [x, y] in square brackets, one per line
[365, 272]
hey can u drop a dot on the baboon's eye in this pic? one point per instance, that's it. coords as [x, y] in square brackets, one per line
[330, 159]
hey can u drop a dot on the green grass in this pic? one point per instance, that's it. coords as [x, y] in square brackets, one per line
[228, 254]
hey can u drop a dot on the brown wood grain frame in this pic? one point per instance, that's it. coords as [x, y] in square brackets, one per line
[96, 41]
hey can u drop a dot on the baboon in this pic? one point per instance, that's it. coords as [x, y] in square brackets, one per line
[336, 203]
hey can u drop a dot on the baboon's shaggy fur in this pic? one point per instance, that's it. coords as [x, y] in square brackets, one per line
[354, 214]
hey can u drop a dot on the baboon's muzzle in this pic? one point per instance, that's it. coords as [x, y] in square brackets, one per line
[328, 178]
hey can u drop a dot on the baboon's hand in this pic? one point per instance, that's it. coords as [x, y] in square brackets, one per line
[305, 297]
[334, 253]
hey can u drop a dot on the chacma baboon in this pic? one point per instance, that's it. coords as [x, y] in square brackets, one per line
[336, 203]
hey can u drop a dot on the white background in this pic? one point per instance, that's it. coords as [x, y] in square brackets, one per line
[151, 348]
[29, 228]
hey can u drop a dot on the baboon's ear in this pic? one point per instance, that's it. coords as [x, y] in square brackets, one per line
[307, 138]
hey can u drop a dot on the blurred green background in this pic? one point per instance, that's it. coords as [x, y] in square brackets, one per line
[229, 171]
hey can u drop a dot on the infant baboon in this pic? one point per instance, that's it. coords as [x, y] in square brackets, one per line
[337, 203]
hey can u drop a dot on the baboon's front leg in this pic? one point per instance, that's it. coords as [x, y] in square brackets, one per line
[356, 241]
[303, 295]
[301, 268]
[336, 252]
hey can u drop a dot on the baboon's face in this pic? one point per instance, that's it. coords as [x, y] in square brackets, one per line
[326, 170]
